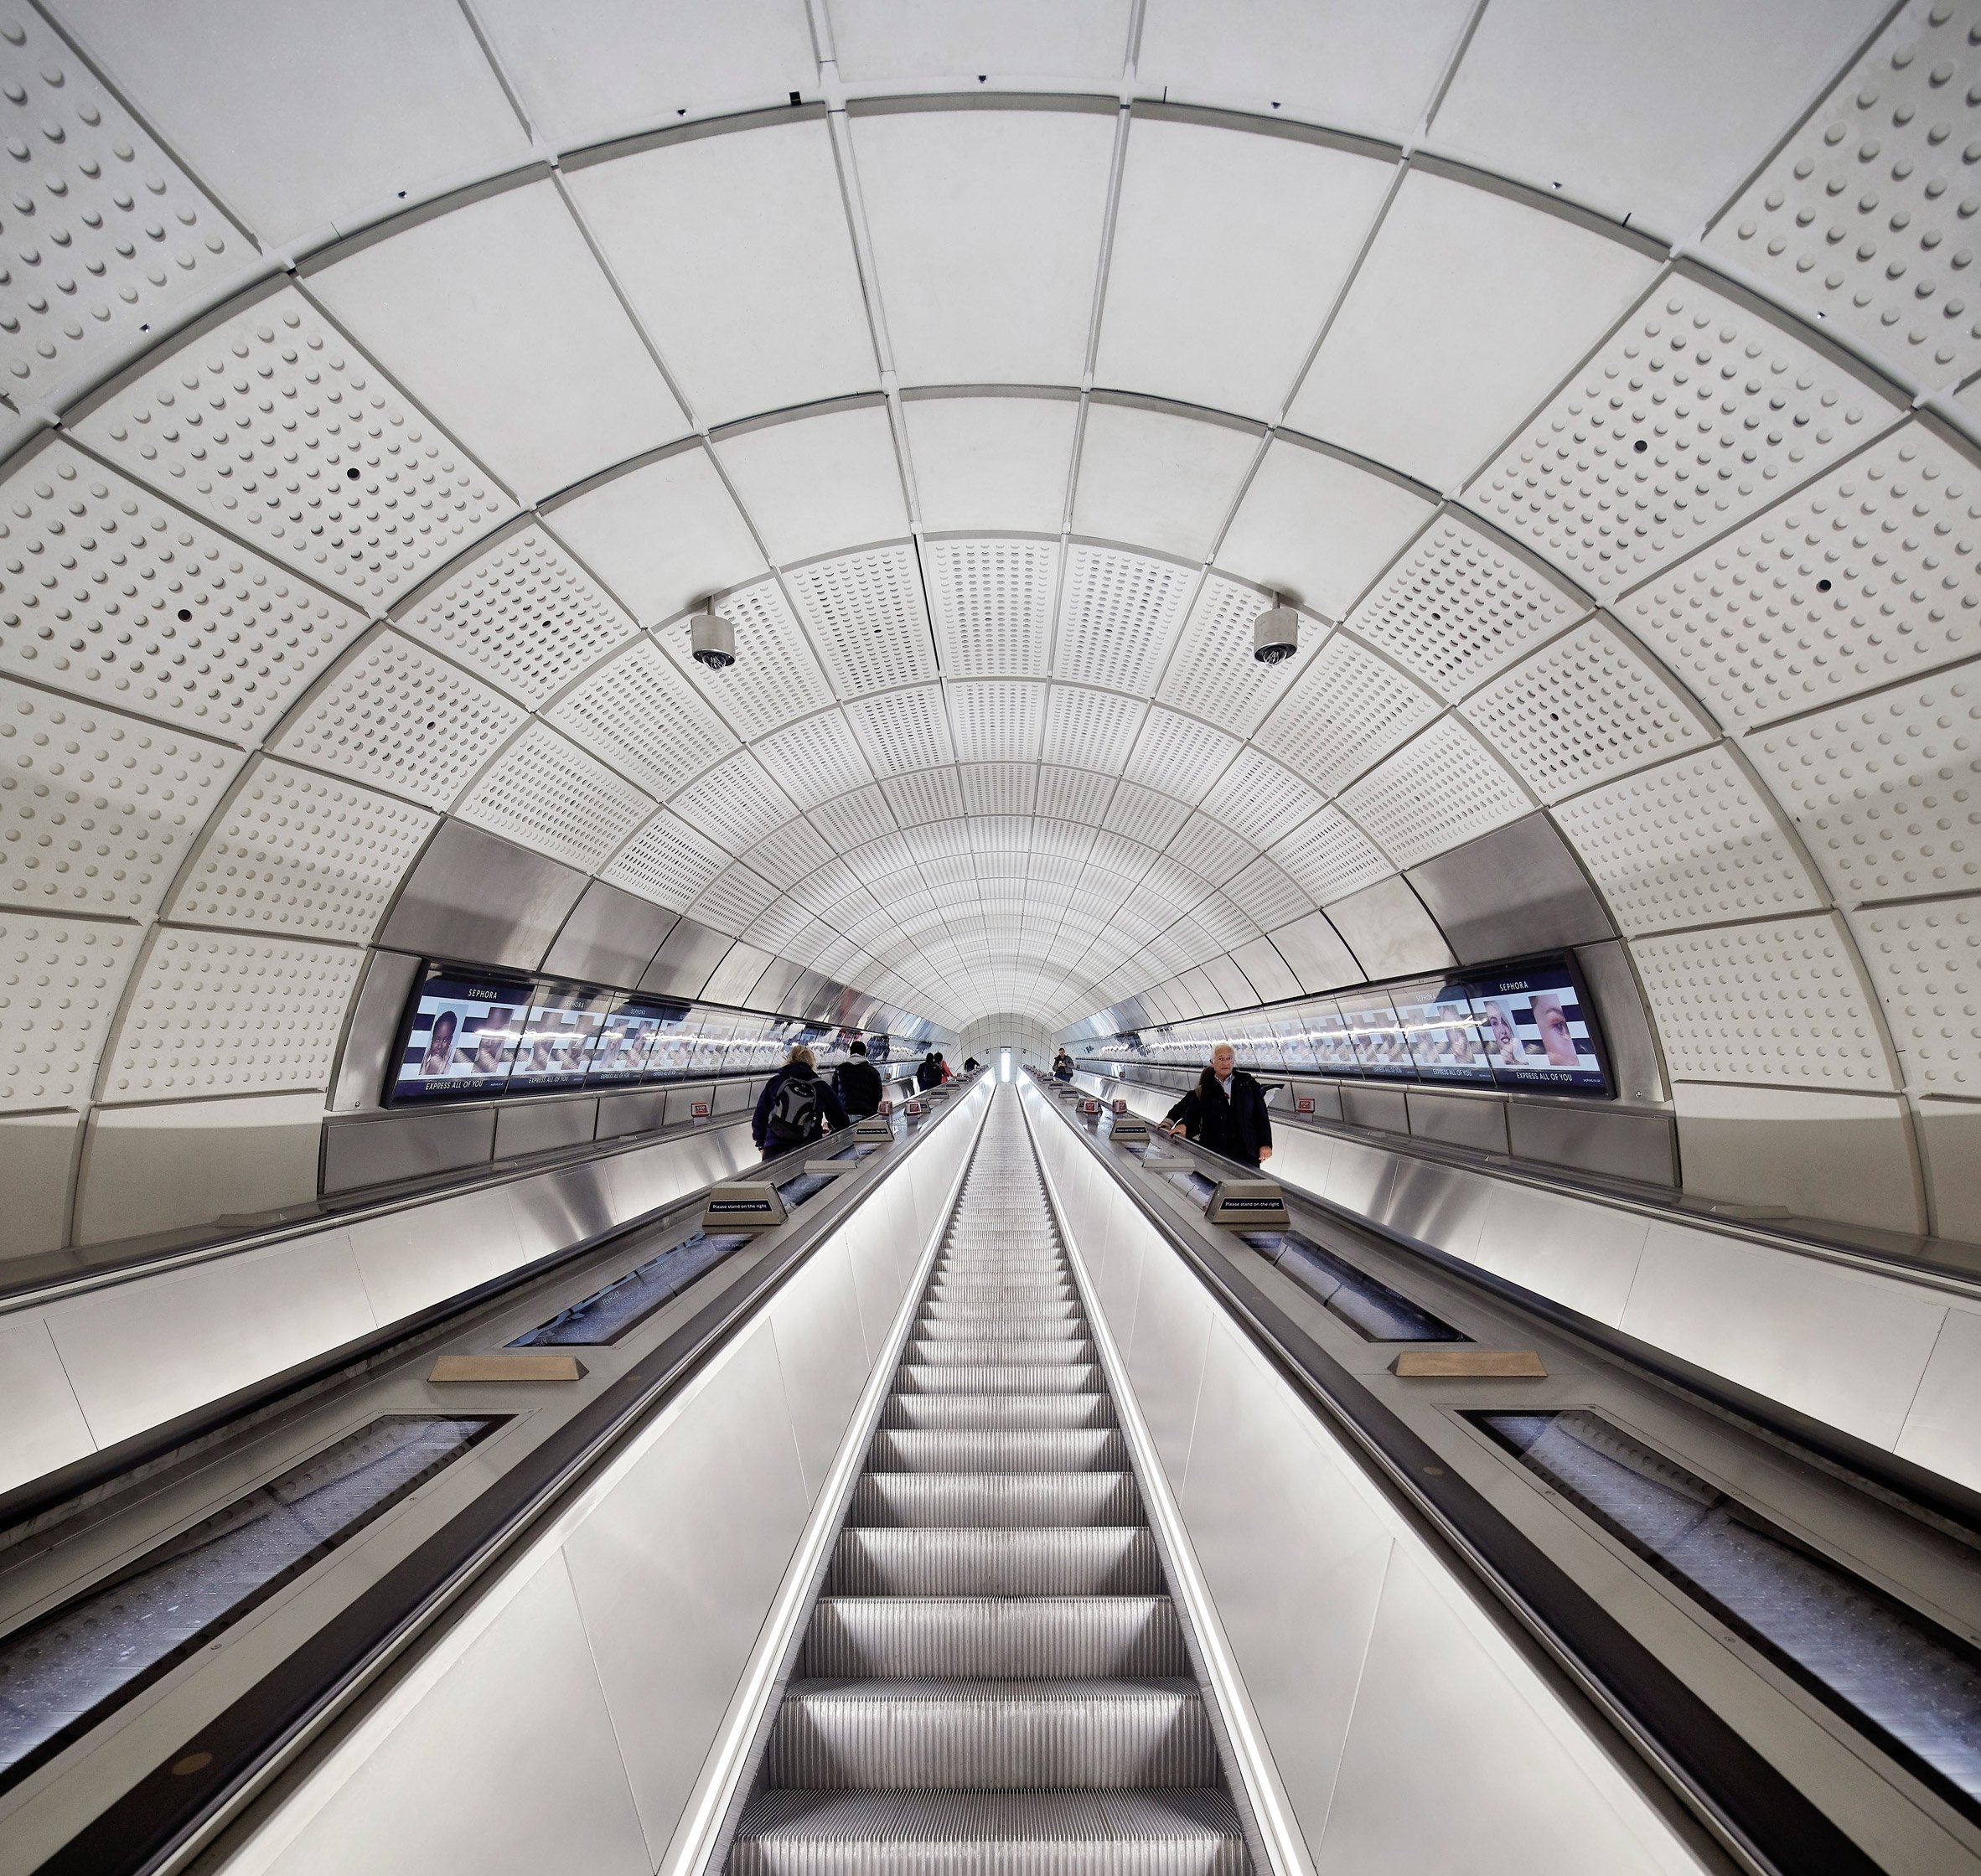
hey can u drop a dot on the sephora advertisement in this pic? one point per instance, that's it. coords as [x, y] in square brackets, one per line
[1521, 1025]
[472, 1035]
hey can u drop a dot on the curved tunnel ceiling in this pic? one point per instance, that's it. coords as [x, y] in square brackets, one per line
[389, 381]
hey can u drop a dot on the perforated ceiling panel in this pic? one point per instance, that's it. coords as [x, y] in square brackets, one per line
[548, 794]
[735, 802]
[1690, 842]
[300, 853]
[1119, 614]
[1329, 857]
[788, 855]
[993, 603]
[108, 593]
[1695, 414]
[1863, 216]
[903, 729]
[1433, 794]
[1779, 1002]
[398, 716]
[1144, 814]
[1581, 709]
[1885, 790]
[999, 788]
[283, 432]
[1925, 961]
[1871, 573]
[230, 1013]
[130, 238]
[732, 899]
[98, 810]
[815, 759]
[524, 615]
[1073, 794]
[774, 677]
[1212, 672]
[862, 815]
[1260, 799]
[666, 862]
[928, 794]
[1347, 710]
[866, 615]
[1458, 607]
[996, 721]
[1210, 848]
[641, 715]
[60, 980]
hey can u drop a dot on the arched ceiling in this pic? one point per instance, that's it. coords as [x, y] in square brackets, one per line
[388, 381]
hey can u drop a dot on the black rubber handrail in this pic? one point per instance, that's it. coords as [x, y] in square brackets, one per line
[199, 1785]
[1746, 1803]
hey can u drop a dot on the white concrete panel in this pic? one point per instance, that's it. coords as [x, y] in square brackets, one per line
[45, 1423]
[1583, 1255]
[1002, 463]
[1157, 480]
[986, 232]
[138, 1353]
[1847, 1347]
[663, 537]
[311, 121]
[689, 228]
[675, 1570]
[1469, 308]
[1318, 530]
[1941, 1428]
[1285, 218]
[1618, 107]
[411, 1258]
[475, 1776]
[886, 41]
[819, 483]
[497, 317]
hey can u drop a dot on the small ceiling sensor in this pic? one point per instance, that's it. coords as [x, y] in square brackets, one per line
[713, 639]
[1275, 634]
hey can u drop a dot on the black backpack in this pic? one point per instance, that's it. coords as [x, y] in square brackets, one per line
[793, 1115]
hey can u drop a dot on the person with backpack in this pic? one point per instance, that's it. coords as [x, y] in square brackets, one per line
[858, 1083]
[795, 1107]
[929, 1074]
[1225, 1112]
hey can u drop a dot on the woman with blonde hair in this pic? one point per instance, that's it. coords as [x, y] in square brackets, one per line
[795, 1107]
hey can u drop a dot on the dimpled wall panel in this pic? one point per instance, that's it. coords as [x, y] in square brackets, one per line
[1925, 960]
[60, 979]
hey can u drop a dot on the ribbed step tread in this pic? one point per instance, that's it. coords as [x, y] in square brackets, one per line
[1193, 1833]
[994, 1637]
[991, 1735]
[1062, 1560]
[993, 1449]
[1012, 1411]
[1012, 1351]
[985, 1500]
[999, 1378]
[997, 1310]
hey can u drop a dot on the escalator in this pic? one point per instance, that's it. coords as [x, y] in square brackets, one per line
[995, 1677]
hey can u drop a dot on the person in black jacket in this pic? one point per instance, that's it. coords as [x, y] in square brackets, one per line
[930, 1073]
[795, 1106]
[858, 1083]
[1063, 1066]
[1225, 1112]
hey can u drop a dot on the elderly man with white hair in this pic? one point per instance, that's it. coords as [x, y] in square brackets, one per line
[1225, 1112]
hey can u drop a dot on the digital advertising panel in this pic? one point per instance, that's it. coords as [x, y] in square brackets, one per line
[459, 1036]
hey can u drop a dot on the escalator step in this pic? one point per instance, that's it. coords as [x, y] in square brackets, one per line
[1077, 1560]
[961, 1500]
[1004, 1637]
[990, 1450]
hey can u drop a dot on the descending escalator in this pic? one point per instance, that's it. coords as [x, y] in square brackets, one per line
[995, 1678]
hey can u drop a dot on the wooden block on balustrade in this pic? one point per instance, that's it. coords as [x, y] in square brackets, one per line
[1469, 1364]
[508, 1364]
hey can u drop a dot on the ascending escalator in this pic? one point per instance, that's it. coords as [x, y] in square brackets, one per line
[995, 1678]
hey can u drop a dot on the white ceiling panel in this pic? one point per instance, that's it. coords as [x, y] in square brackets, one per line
[735, 803]
[1091, 728]
[885, 41]
[1284, 217]
[666, 862]
[1258, 798]
[1350, 708]
[903, 730]
[862, 815]
[548, 794]
[1329, 857]
[1119, 616]
[639, 714]
[1469, 308]
[774, 678]
[788, 853]
[1076, 795]
[1318, 529]
[996, 722]
[1210, 848]
[1367, 65]
[733, 899]
[587, 72]
[1000, 787]
[1179, 755]
[311, 121]
[990, 461]
[1434, 793]
[1213, 672]
[925, 796]
[865, 613]
[818, 485]
[663, 537]
[1156, 480]
[547, 384]
[993, 605]
[1145, 814]
[689, 227]
[1656, 111]
[986, 232]
[815, 759]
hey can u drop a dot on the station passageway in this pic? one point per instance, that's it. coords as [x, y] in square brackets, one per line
[1025, 937]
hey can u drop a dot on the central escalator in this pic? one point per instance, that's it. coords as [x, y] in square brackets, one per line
[994, 1680]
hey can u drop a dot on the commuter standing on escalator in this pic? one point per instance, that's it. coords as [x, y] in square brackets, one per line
[929, 1074]
[795, 1106]
[1225, 1112]
[1063, 1066]
[858, 1083]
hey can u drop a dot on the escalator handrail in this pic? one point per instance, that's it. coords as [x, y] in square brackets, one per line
[167, 1813]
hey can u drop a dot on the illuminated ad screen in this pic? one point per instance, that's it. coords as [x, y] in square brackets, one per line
[631, 1038]
[460, 1038]
[1536, 1031]
[558, 1036]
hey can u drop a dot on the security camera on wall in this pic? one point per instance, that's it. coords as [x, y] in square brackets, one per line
[713, 639]
[1276, 635]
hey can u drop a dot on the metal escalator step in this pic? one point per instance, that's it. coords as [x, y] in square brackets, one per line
[994, 1637]
[989, 1833]
[992, 1736]
[985, 1500]
[1002, 1350]
[997, 1449]
[1045, 1312]
[998, 1377]
[1077, 1560]
[931, 1411]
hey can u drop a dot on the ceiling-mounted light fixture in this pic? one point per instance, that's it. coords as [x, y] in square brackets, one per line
[1275, 633]
[713, 639]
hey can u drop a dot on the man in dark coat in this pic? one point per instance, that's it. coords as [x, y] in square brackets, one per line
[795, 1106]
[1063, 1066]
[858, 1083]
[930, 1073]
[1225, 1112]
